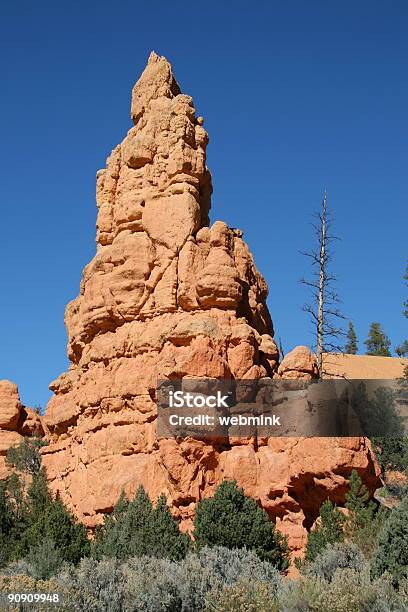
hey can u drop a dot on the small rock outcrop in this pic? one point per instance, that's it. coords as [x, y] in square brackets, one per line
[16, 421]
[167, 296]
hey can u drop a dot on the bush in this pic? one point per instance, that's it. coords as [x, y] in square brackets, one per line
[397, 489]
[44, 559]
[245, 596]
[146, 584]
[94, 586]
[392, 553]
[219, 567]
[15, 568]
[335, 556]
[136, 528]
[233, 520]
[350, 590]
[304, 595]
[27, 584]
[140, 584]
[328, 531]
[152, 585]
[392, 453]
[364, 519]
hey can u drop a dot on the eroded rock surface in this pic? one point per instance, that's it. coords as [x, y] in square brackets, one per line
[168, 296]
[16, 421]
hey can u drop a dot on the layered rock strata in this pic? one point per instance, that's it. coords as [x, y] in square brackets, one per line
[167, 296]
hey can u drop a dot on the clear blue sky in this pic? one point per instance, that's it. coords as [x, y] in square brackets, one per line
[297, 96]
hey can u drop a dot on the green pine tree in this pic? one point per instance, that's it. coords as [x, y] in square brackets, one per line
[357, 496]
[233, 520]
[136, 528]
[38, 518]
[166, 541]
[38, 497]
[48, 518]
[392, 553]
[402, 349]
[327, 531]
[124, 532]
[6, 526]
[351, 345]
[362, 521]
[377, 342]
[17, 501]
[25, 457]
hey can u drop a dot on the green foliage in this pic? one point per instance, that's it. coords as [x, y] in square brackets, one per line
[38, 496]
[351, 345]
[349, 590]
[392, 553]
[147, 584]
[27, 584]
[392, 453]
[361, 509]
[219, 579]
[377, 342]
[136, 528]
[45, 559]
[378, 414]
[233, 520]
[245, 596]
[25, 457]
[6, 525]
[402, 349]
[304, 595]
[48, 518]
[153, 584]
[125, 532]
[94, 586]
[59, 526]
[15, 492]
[166, 541]
[352, 590]
[328, 530]
[218, 567]
[339, 555]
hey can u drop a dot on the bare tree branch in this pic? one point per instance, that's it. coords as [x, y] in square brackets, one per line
[325, 298]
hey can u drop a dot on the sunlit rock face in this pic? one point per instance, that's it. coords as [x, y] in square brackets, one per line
[16, 421]
[168, 296]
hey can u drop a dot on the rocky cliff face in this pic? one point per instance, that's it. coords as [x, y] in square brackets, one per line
[168, 296]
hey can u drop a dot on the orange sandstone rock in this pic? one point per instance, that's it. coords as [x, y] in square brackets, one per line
[16, 421]
[167, 296]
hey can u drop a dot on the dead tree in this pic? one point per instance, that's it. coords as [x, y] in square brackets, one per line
[323, 310]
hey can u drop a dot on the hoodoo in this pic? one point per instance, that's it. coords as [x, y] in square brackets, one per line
[167, 295]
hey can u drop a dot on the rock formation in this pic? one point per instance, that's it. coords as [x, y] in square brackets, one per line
[168, 296]
[16, 421]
